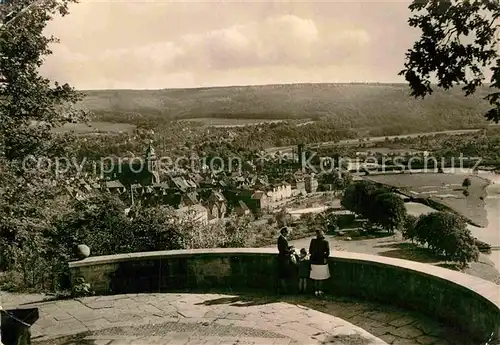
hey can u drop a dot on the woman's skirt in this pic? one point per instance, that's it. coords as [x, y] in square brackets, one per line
[320, 272]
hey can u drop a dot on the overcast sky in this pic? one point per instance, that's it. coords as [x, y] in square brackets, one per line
[150, 45]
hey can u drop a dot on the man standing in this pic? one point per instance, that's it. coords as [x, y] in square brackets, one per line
[284, 261]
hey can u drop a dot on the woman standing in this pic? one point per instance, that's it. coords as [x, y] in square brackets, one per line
[319, 251]
[284, 262]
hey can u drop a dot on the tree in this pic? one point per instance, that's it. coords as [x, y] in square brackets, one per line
[281, 217]
[466, 183]
[390, 211]
[357, 197]
[99, 221]
[372, 205]
[31, 104]
[409, 232]
[458, 41]
[447, 234]
[159, 228]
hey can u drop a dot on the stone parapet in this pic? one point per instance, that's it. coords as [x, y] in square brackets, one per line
[466, 302]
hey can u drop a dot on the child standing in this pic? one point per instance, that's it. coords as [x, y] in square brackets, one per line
[304, 270]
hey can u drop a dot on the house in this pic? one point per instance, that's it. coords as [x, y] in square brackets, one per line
[186, 199]
[297, 185]
[259, 200]
[112, 187]
[75, 193]
[217, 205]
[280, 191]
[84, 186]
[242, 209]
[197, 179]
[196, 213]
[160, 188]
[115, 187]
[180, 183]
[311, 183]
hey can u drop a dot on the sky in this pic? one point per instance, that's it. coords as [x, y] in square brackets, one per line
[159, 44]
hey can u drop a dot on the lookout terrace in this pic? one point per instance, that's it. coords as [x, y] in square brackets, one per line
[226, 296]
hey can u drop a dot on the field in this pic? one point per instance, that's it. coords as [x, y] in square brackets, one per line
[218, 122]
[445, 189]
[373, 140]
[377, 107]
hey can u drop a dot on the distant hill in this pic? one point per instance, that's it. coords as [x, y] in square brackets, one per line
[349, 105]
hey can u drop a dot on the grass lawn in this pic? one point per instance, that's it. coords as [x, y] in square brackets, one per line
[445, 189]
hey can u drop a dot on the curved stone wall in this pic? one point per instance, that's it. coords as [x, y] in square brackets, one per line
[463, 301]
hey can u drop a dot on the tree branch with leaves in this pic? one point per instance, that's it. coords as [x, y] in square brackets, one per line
[459, 40]
[30, 104]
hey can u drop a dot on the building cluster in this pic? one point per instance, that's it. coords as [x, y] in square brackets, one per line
[210, 196]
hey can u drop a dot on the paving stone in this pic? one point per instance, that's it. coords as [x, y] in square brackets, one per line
[402, 321]
[100, 304]
[427, 340]
[214, 319]
[96, 324]
[149, 308]
[400, 341]
[384, 317]
[378, 331]
[300, 327]
[112, 297]
[388, 338]
[122, 317]
[407, 332]
[428, 327]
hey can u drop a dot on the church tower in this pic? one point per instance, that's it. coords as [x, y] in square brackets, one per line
[151, 162]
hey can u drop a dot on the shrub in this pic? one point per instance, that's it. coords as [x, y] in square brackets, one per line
[159, 228]
[466, 183]
[447, 234]
[409, 231]
[235, 232]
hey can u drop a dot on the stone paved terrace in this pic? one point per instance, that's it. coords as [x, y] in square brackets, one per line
[189, 319]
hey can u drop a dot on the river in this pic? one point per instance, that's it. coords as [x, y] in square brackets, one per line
[491, 233]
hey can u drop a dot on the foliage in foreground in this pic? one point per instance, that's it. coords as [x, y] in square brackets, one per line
[31, 104]
[36, 255]
[459, 39]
